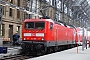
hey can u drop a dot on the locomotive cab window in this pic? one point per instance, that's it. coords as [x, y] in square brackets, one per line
[39, 25]
[29, 25]
[51, 26]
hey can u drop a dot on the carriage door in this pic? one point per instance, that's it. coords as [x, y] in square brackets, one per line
[10, 32]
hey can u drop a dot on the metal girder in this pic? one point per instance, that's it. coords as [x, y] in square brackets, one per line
[85, 18]
[79, 2]
[68, 3]
[75, 9]
[87, 8]
[88, 11]
[84, 5]
[82, 2]
[89, 14]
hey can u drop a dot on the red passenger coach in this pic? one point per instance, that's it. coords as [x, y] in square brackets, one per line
[45, 35]
[79, 36]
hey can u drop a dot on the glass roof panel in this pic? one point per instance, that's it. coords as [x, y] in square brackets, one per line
[88, 2]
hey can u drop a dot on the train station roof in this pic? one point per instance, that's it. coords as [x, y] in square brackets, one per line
[81, 8]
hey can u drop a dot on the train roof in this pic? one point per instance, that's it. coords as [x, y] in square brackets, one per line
[49, 20]
[28, 20]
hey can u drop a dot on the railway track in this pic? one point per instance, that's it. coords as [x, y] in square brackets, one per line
[16, 57]
[23, 57]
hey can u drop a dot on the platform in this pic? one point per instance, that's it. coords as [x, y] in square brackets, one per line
[70, 54]
[11, 50]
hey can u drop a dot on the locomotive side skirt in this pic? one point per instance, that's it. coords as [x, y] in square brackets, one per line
[57, 43]
[39, 44]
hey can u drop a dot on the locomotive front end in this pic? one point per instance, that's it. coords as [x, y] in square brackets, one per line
[33, 35]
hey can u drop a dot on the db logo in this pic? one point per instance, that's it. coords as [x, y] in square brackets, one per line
[33, 34]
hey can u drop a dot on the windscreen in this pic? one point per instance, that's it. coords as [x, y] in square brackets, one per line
[34, 25]
[39, 25]
[29, 25]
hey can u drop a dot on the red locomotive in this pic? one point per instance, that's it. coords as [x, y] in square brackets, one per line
[46, 35]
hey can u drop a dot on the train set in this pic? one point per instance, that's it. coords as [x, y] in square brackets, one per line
[46, 35]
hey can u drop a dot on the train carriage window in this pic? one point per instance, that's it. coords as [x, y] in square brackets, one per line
[29, 25]
[39, 25]
[51, 26]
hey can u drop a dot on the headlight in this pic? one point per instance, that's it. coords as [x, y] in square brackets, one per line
[24, 38]
[42, 38]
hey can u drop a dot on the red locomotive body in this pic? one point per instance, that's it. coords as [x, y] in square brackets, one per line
[41, 34]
